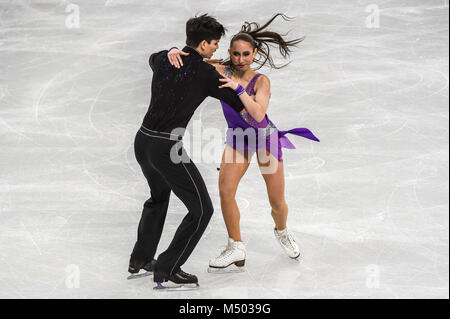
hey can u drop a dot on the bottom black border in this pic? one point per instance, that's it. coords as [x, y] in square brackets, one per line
[229, 308]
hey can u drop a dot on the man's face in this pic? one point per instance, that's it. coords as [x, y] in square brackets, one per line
[209, 48]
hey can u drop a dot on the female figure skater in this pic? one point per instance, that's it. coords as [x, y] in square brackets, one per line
[244, 48]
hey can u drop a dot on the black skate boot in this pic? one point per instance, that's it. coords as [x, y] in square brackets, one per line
[179, 280]
[135, 268]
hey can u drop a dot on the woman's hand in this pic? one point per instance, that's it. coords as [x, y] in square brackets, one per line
[228, 83]
[174, 57]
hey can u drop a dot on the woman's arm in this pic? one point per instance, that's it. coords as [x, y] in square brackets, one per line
[174, 56]
[258, 107]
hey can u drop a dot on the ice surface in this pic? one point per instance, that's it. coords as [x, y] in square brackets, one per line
[368, 204]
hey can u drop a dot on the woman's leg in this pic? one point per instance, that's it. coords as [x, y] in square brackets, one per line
[233, 167]
[275, 190]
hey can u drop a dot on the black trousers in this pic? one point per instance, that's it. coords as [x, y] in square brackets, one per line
[167, 168]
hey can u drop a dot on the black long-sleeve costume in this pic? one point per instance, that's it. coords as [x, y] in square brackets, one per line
[176, 93]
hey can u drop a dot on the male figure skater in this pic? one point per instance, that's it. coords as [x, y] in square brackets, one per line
[176, 94]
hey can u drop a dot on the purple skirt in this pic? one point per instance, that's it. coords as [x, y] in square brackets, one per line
[245, 133]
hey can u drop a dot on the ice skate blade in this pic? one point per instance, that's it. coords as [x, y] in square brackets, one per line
[227, 270]
[139, 275]
[170, 286]
[297, 258]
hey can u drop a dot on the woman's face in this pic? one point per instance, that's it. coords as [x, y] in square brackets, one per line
[242, 55]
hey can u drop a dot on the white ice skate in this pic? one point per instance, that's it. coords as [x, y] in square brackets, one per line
[231, 260]
[287, 242]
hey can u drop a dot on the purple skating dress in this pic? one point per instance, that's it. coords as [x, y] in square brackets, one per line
[245, 133]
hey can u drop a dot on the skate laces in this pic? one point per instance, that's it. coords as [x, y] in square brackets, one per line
[228, 251]
[185, 274]
[287, 240]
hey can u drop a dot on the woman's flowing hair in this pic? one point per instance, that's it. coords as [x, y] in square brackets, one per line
[261, 39]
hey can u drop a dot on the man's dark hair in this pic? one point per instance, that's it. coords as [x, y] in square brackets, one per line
[202, 28]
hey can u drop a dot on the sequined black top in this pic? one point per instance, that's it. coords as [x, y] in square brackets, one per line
[176, 93]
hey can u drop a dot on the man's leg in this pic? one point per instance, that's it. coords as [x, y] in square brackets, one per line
[155, 208]
[187, 184]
